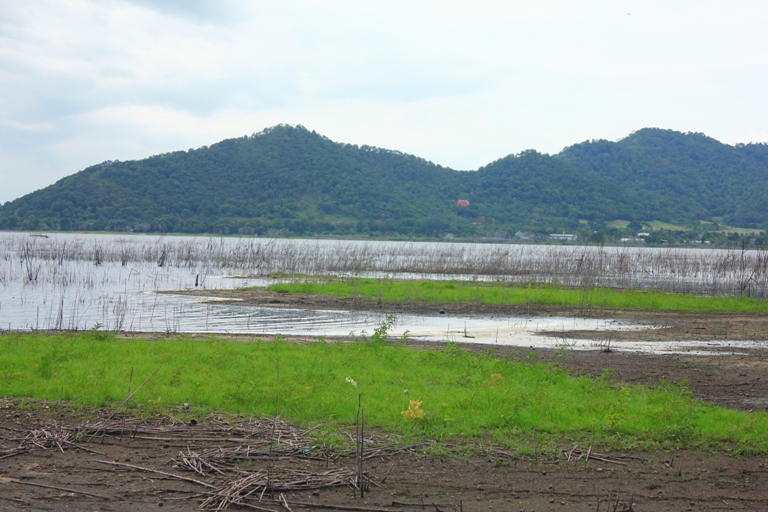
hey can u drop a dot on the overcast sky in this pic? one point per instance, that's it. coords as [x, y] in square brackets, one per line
[460, 83]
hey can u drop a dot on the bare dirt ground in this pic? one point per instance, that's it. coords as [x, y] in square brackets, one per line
[136, 465]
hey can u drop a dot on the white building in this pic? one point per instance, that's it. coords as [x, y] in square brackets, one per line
[564, 237]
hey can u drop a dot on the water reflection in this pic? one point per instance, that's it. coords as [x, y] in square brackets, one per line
[75, 285]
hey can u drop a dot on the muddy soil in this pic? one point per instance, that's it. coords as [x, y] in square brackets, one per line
[124, 471]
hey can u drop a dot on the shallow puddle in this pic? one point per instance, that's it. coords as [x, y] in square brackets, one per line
[489, 330]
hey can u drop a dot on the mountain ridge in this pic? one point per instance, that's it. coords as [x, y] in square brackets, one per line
[288, 179]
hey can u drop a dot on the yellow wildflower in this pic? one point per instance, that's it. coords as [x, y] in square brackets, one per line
[414, 410]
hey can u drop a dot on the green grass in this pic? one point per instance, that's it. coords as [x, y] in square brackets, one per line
[521, 294]
[464, 396]
[657, 224]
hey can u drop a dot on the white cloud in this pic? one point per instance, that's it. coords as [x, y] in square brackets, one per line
[460, 83]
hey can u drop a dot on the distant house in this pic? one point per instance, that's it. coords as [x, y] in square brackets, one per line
[632, 240]
[564, 237]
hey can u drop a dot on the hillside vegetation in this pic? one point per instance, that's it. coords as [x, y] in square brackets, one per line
[289, 180]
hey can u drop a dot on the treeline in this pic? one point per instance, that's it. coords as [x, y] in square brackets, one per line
[289, 180]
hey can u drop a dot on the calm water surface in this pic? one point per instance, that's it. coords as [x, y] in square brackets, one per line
[69, 281]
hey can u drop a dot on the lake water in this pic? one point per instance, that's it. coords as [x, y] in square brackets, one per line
[76, 281]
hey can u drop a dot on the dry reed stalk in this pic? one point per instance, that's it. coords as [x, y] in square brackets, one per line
[150, 470]
[703, 271]
[240, 489]
[130, 395]
[5, 479]
[50, 435]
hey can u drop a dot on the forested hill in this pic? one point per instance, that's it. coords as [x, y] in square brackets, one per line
[683, 176]
[293, 181]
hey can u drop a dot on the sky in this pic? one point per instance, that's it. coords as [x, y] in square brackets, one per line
[460, 83]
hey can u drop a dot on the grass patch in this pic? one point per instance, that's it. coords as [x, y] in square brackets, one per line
[659, 225]
[279, 274]
[451, 394]
[388, 290]
[618, 223]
